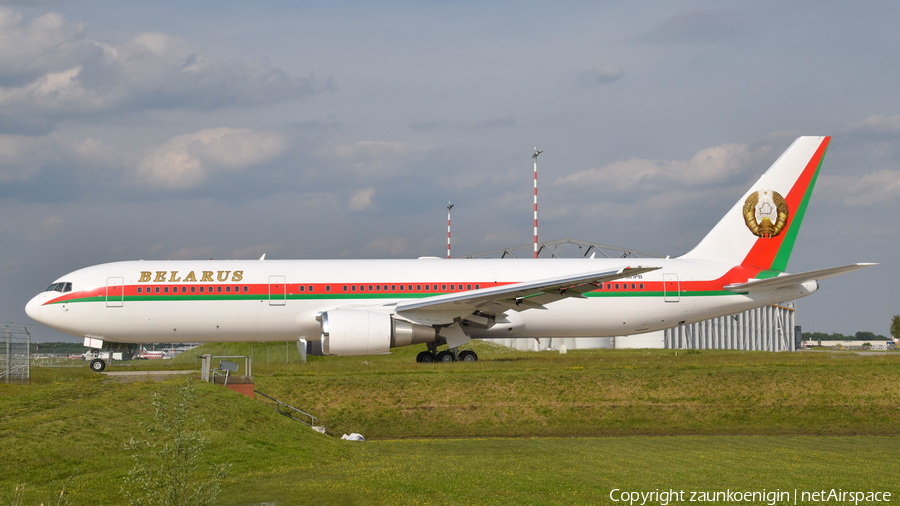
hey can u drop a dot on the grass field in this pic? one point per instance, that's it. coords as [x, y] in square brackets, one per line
[818, 421]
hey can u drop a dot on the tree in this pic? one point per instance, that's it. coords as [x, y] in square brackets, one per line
[168, 465]
[865, 336]
[895, 326]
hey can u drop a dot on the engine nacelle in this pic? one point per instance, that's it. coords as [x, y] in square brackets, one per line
[349, 332]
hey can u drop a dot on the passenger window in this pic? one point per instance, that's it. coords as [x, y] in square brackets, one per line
[310, 288]
[393, 288]
[478, 287]
[426, 288]
[617, 286]
[362, 288]
[201, 289]
[219, 289]
[193, 289]
[139, 289]
[228, 289]
[443, 288]
[401, 288]
[370, 288]
[418, 288]
[608, 286]
[157, 289]
[468, 287]
[352, 288]
[409, 287]
[632, 286]
[642, 286]
[327, 288]
[345, 288]
[302, 288]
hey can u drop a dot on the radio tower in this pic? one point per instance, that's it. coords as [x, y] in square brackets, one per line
[449, 207]
[535, 155]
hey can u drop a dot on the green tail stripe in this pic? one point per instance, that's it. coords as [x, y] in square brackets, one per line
[784, 252]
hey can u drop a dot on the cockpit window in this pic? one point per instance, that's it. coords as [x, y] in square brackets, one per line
[59, 287]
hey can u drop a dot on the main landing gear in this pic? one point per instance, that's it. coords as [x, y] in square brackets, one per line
[452, 355]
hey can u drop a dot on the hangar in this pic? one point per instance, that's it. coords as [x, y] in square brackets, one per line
[768, 328]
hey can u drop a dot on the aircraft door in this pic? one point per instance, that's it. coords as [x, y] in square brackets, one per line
[671, 287]
[277, 291]
[115, 292]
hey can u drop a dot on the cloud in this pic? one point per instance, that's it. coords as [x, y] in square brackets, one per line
[49, 227]
[700, 27]
[875, 189]
[24, 157]
[601, 74]
[361, 199]
[709, 166]
[877, 124]
[385, 246]
[48, 68]
[490, 123]
[375, 158]
[193, 253]
[255, 251]
[187, 160]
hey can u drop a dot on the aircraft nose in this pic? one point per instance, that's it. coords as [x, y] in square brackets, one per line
[33, 308]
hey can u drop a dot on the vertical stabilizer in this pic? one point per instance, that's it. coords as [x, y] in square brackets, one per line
[760, 230]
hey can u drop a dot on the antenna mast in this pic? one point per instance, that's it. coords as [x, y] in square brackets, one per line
[449, 207]
[535, 155]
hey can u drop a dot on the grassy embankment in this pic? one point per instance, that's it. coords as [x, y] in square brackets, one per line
[69, 419]
[592, 393]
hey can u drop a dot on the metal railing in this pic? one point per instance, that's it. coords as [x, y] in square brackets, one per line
[289, 414]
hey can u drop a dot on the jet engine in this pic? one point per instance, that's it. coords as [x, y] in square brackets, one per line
[348, 332]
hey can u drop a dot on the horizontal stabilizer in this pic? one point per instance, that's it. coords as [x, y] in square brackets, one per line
[794, 279]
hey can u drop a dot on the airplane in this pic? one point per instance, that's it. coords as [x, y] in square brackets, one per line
[367, 307]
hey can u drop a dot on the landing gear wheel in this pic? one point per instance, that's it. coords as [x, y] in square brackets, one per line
[425, 357]
[446, 357]
[97, 365]
[468, 356]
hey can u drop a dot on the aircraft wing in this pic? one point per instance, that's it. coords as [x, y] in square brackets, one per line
[794, 279]
[520, 296]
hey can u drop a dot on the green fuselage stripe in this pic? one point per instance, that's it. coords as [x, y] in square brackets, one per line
[335, 296]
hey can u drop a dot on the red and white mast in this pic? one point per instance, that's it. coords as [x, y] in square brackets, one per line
[449, 207]
[535, 155]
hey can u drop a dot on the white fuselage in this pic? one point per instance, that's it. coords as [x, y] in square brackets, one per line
[279, 300]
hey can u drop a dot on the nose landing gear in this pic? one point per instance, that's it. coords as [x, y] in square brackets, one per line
[98, 364]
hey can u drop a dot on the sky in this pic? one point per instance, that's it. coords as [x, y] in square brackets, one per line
[190, 130]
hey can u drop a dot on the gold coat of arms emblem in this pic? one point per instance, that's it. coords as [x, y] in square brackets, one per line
[765, 213]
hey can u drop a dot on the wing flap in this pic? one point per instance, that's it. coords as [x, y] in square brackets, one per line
[525, 295]
[794, 279]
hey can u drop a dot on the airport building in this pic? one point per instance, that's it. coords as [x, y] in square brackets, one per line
[768, 328]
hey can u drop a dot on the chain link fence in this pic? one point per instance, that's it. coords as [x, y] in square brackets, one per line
[15, 353]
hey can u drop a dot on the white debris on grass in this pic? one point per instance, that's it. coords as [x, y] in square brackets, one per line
[353, 437]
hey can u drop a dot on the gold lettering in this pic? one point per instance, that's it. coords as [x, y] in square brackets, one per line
[190, 277]
[223, 276]
[160, 277]
[207, 276]
[145, 276]
[174, 277]
[238, 275]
